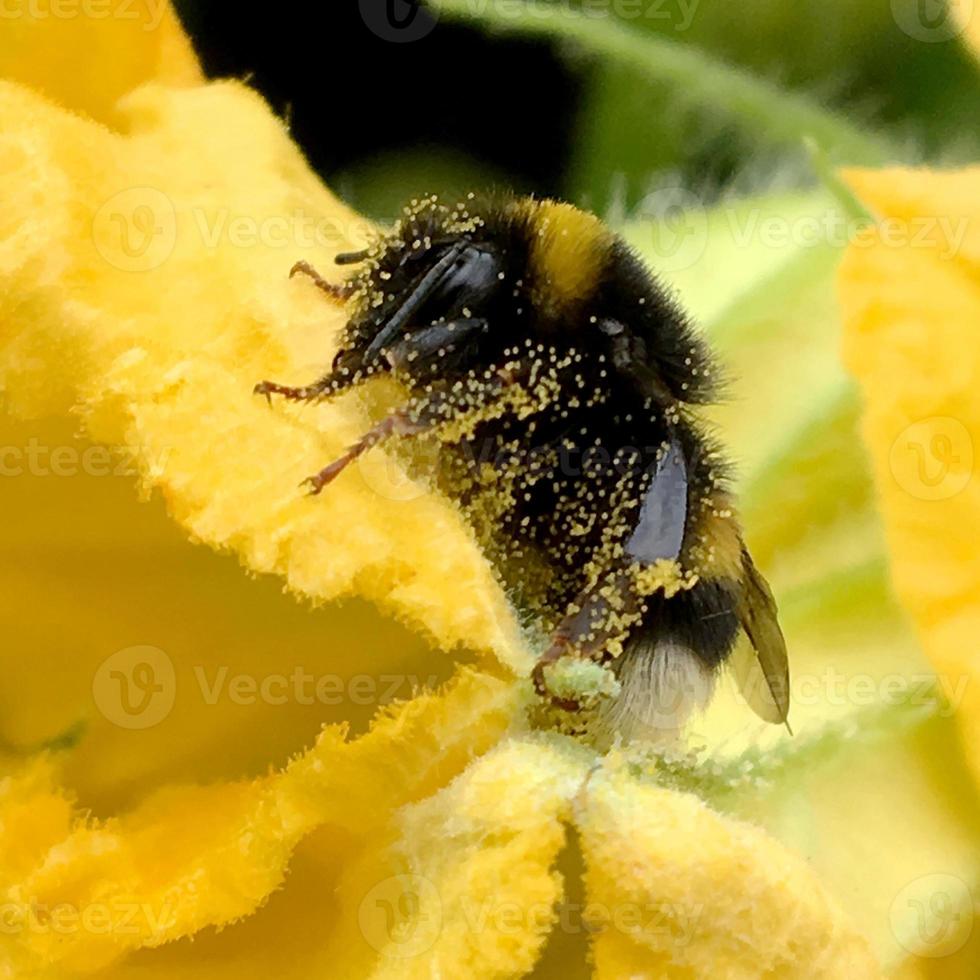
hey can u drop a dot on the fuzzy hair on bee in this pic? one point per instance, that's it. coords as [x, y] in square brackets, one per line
[562, 382]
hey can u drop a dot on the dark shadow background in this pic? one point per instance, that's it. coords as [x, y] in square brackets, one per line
[507, 103]
[457, 109]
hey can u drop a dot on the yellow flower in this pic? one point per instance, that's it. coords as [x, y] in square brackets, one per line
[165, 774]
[913, 313]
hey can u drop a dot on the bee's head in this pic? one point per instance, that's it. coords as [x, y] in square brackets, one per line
[422, 309]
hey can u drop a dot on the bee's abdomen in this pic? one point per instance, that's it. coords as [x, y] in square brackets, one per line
[703, 619]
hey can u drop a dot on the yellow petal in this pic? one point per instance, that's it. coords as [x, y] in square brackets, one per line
[36, 816]
[117, 575]
[479, 858]
[968, 19]
[679, 891]
[191, 857]
[87, 55]
[230, 205]
[911, 300]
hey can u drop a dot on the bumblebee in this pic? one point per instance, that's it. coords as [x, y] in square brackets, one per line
[562, 383]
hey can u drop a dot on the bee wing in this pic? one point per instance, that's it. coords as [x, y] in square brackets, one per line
[659, 531]
[762, 672]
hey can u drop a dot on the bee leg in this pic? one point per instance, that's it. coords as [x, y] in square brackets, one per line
[305, 393]
[409, 420]
[339, 379]
[554, 653]
[402, 422]
[586, 632]
[563, 643]
[338, 292]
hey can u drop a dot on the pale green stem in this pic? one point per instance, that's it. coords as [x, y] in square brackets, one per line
[772, 113]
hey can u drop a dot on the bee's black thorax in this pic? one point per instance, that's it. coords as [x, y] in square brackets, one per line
[597, 367]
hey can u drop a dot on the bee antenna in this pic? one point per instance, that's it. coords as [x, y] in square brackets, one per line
[349, 258]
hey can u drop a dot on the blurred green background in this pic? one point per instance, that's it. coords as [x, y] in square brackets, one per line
[597, 100]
